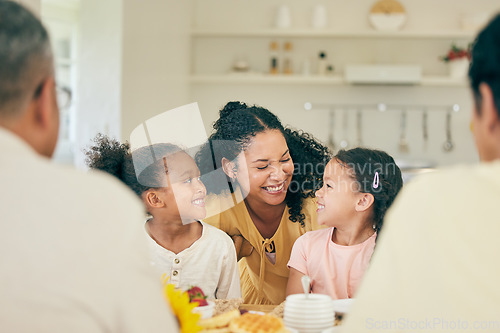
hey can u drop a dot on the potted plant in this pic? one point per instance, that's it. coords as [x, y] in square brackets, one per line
[458, 60]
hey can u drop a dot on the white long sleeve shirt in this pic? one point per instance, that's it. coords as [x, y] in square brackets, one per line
[73, 256]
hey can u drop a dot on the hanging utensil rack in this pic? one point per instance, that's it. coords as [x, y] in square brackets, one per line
[360, 108]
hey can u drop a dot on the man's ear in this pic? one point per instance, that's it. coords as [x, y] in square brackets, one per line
[42, 119]
[365, 201]
[229, 168]
[152, 199]
[489, 111]
[45, 105]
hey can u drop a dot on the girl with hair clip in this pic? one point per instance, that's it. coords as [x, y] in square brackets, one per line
[359, 185]
[166, 178]
[272, 172]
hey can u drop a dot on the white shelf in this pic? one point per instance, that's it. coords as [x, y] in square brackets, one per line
[333, 34]
[267, 78]
[444, 81]
[309, 80]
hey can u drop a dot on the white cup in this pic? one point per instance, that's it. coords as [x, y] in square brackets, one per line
[283, 17]
[309, 314]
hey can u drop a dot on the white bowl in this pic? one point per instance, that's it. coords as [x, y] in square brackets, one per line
[309, 324]
[316, 316]
[206, 311]
[387, 22]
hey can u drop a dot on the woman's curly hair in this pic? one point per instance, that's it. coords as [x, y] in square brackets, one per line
[364, 163]
[238, 123]
[140, 170]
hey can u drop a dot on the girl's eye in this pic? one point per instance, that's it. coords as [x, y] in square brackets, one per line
[262, 167]
[187, 181]
[286, 160]
[329, 186]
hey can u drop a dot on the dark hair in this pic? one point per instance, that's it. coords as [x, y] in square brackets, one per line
[25, 56]
[140, 170]
[365, 163]
[238, 123]
[485, 62]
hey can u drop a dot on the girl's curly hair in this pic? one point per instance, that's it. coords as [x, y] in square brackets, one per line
[140, 170]
[238, 123]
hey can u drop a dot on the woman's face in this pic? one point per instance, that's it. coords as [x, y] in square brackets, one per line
[265, 168]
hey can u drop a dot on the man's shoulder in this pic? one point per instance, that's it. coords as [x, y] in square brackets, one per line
[89, 189]
[450, 194]
[452, 178]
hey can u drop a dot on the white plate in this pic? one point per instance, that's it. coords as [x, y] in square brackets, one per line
[342, 306]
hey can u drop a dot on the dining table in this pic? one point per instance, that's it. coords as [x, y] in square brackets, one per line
[257, 307]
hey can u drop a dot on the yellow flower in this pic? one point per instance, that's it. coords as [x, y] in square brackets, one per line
[183, 310]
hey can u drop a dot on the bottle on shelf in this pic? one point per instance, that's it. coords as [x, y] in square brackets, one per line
[274, 68]
[287, 59]
[322, 63]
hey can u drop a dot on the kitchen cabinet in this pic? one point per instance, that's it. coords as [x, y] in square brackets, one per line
[214, 50]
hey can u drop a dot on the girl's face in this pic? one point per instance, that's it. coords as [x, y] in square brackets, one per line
[338, 196]
[185, 196]
[265, 168]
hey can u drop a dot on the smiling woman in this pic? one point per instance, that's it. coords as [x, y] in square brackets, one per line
[271, 173]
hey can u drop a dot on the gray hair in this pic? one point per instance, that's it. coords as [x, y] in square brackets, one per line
[25, 57]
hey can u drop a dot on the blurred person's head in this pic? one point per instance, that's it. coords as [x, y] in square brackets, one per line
[163, 175]
[484, 75]
[28, 105]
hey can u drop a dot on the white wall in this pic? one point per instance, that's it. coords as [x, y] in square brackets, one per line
[100, 72]
[155, 59]
[379, 130]
[136, 59]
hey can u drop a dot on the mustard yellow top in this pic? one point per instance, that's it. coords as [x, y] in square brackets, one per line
[263, 282]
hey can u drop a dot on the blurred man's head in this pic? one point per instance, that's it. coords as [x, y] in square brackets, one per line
[484, 75]
[28, 104]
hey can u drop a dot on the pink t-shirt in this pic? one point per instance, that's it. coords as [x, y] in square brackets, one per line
[335, 270]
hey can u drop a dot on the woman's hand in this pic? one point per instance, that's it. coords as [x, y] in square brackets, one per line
[242, 246]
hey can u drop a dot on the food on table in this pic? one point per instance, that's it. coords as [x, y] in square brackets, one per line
[256, 323]
[279, 310]
[218, 322]
[196, 295]
[225, 305]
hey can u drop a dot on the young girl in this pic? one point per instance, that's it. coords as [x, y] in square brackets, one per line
[359, 185]
[167, 179]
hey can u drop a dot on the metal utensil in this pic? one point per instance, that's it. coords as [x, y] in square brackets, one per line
[425, 128]
[448, 144]
[403, 143]
[331, 140]
[359, 128]
[306, 284]
[345, 125]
